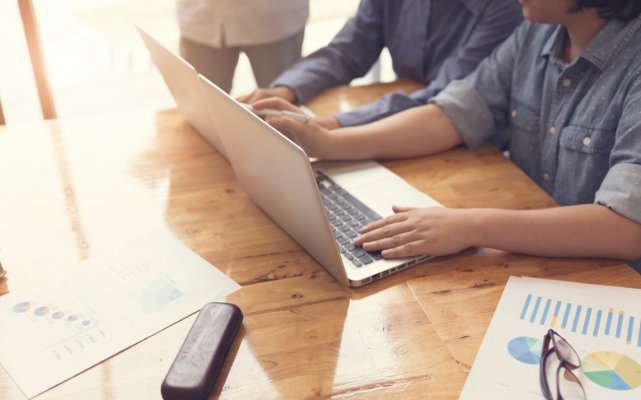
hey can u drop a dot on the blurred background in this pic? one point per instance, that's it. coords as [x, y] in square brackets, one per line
[96, 63]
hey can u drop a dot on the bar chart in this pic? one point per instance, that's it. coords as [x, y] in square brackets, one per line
[583, 319]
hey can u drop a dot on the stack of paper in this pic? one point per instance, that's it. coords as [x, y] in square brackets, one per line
[52, 332]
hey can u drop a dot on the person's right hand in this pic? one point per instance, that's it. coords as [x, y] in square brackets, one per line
[316, 140]
[282, 92]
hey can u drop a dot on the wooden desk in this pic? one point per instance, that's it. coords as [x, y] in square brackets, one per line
[70, 188]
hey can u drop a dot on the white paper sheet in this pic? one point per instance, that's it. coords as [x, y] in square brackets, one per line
[52, 332]
[602, 323]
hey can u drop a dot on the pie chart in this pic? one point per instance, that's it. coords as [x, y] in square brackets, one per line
[40, 311]
[525, 349]
[21, 307]
[612, 370]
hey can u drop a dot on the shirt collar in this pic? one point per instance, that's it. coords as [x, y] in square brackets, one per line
[603, 48]
[607, 44]
[553, 47]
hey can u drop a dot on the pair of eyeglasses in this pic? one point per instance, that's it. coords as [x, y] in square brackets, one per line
[559, 360]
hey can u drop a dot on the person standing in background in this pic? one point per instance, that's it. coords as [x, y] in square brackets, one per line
[214, 32]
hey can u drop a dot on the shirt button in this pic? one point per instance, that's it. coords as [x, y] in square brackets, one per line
[552, 130]
[587, 141]
[567, 82]
[514, 113]
[546, 176]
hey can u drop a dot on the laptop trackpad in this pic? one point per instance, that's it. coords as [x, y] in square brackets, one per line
[382, 194]
[376, 186]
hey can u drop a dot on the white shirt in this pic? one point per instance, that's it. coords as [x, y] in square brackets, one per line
[229, 23]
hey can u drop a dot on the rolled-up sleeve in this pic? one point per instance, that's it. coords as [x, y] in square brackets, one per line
[620, 190]
[468, 112]
[478, 104]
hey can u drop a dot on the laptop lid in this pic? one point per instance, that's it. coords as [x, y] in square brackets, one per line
[277, 176]
[182, 80]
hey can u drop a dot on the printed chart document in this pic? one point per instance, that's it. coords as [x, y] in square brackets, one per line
[602, 323]
[54, 331]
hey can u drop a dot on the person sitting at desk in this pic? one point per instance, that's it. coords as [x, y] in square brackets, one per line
[564, 95]
[429, 41]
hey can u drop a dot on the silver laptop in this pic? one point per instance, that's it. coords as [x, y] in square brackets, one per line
[320, 204]
[182, 80]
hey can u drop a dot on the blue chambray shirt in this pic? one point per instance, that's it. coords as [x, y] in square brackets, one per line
[433, 41]
[574, 129]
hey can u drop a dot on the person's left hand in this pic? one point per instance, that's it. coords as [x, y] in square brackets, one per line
[414, 232]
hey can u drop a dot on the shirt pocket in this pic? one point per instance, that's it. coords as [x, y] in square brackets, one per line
[584, 160]
[588, 140]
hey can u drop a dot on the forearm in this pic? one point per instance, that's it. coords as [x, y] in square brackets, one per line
[415, 132]
[574, 231]
[313, 74]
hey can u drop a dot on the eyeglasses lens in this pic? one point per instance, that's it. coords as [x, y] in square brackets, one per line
[566, 352]
[569, 386]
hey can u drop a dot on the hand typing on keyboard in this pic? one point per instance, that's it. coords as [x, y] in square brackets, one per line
[414, 232]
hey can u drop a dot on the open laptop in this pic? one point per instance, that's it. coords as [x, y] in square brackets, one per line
[182, 80]
[320, 204]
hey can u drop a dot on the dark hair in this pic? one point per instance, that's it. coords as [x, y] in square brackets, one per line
[623, 10]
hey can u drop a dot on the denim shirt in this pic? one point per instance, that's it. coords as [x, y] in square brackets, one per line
[575, 129]
[431, 41]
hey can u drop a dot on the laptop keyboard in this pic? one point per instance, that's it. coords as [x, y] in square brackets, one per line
[347, 216]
